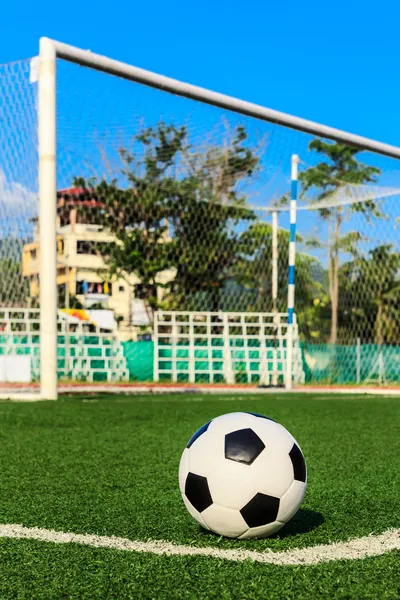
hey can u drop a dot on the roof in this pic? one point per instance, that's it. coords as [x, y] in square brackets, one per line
[75, 196]
[78, 196]
[73, 191]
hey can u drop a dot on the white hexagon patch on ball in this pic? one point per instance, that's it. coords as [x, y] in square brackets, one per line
[242, 475]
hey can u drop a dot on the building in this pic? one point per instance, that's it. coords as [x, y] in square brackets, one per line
[81, 270]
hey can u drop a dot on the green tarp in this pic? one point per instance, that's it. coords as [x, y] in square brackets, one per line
[322, 363]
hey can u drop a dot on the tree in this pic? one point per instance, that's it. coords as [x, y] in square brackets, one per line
[73, 301]
[254, 272]
[176, 209]
[340, 167]
[136, 206]
[207, 218]
[14, 288]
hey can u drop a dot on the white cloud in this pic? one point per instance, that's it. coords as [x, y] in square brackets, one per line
[17, 206]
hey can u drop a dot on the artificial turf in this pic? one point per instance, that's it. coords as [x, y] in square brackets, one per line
[108, 465]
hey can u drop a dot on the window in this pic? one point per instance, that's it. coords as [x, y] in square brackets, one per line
[143, 292]
[94, 287]
[140, 292]
[91, 248]
[84, 247]
[121, 288]
[33, 254]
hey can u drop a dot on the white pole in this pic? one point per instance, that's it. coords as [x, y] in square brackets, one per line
[382, 374]
[67, 351]
[358, 362]
[227, 359]
[156, 367]
[275, 295]
[174, 348]
[47, 220]
[191, 353]
[291, 273]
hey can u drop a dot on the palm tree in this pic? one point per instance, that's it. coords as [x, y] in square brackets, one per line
[373, 292]
[340, 167]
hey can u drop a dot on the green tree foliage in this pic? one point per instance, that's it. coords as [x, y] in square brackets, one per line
[254, 273]
[340, 166]
[14, 288]
[73, 301]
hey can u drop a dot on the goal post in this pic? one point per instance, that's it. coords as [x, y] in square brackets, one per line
[291, 271]
[257, 257]
[47, 218]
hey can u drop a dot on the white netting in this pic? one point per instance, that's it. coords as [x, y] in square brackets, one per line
[18, 178]
[171, 203]
[165, 203]
[19, 250]
[351, 330]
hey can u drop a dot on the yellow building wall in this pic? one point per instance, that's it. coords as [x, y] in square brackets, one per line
[74, 267]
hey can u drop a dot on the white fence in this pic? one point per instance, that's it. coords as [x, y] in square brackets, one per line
[84, 351]
[224, 347]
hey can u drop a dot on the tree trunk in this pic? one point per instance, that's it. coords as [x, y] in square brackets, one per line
[262, 296]
[216, 299]
[335, 298]
[330, 265]
[379, 321]
[334, 287]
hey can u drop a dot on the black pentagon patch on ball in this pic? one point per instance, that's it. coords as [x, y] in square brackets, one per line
[243, 446]
[198, 492]
[261, 510]
[261, 416]
[198, 433]
[298, 462]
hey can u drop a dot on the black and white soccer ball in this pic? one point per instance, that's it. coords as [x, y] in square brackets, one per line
[242, 475]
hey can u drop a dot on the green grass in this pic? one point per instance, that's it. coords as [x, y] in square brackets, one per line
[108, 465]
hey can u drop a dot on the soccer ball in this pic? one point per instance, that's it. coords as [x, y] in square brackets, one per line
[242, 475]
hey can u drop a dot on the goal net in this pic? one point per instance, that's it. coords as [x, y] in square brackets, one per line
[19, 314]
[159, 198]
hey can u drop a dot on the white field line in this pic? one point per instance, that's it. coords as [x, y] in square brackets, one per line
[198, 393]
[229, 390]
[372, 545]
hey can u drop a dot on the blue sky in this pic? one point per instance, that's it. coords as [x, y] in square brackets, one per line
[335, 63]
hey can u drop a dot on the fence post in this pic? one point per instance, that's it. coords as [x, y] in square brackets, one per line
[358, 362]
[228, 371]
[156, 372]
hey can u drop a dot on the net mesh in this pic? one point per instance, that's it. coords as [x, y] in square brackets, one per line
[165, 203]
[18, 178]
[180, 193]
[351, 331]
[19, 250]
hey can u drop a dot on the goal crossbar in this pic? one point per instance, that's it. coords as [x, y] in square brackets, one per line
[86, 58]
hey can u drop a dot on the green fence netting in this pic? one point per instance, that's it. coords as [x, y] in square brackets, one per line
[351, 365]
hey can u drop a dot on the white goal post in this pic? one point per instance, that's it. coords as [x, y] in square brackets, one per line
[50, 51]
